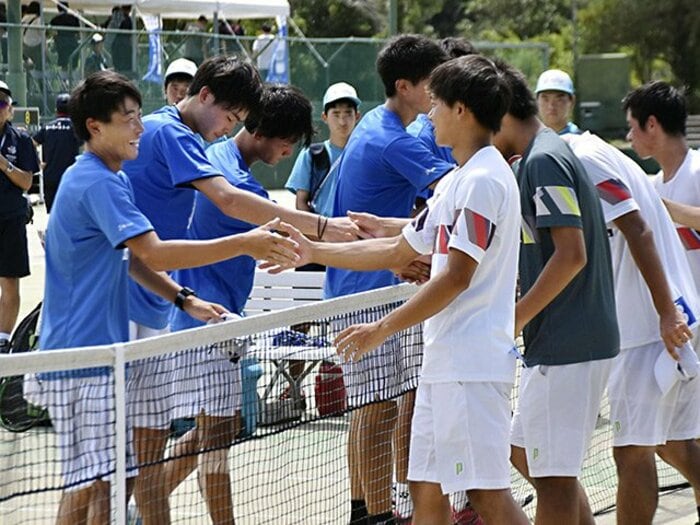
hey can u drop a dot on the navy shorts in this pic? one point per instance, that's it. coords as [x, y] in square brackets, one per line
[14, 256]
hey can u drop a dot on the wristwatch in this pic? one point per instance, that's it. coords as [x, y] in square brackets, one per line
[10, 167]
[183, 294]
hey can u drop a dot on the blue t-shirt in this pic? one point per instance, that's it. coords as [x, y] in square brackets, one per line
[17, 148]
[300, 178]
[227, 282]
[422, 128]
[380, 172]
[570, 128]
[171, 157]
[85, 294]
[59, 147]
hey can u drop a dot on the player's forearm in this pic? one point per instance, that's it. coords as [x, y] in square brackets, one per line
[646, 257]
[684, 214]
[366, 255]
[556, 275]
[430, 299]
[160, 283]
[19, 177]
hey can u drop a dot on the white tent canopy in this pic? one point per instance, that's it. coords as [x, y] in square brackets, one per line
[230, 9]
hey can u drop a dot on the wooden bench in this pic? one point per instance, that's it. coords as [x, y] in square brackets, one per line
[692, 131]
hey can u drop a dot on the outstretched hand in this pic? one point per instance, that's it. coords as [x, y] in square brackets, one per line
[302, 250]
[340, 229]
[265, 243]
[357, 340]
[370, 225]
[416, 272]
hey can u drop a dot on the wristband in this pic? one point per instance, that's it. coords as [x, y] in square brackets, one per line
[183, 294]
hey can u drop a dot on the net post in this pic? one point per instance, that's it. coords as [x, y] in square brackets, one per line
[119, 492]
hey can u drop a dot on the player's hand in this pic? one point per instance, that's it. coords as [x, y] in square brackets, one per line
[267, 244]
[416, 272]
[371, 225]
[341, 229]
[357, 340]
[303, 251]
[674, 332]
[203, 310]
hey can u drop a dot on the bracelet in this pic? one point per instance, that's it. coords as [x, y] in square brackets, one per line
[183, 294]
[323, 228]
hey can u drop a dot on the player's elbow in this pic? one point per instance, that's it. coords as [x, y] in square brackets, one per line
[576, 258]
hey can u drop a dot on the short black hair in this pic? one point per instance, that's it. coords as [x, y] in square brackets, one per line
[522, 103]
[476, 82]
[234, 84]
[662, 100]
[348, 101]
[455, 46]
[97, 97]
[62, 101]
[409, 57]
[285, 113]
[177, 77]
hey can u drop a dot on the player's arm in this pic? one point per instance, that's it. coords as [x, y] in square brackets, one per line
[249, 207]
[432, 298]
[163, 285]
[302, 200]
[19, 177]
[640, 239]
[683, 213]
[376, 226]
[566, 262]
[261, 243]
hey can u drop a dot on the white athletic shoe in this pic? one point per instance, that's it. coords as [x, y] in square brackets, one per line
[403, 504]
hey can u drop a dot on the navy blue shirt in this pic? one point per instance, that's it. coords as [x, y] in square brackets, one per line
[17, 147]
[60, 146]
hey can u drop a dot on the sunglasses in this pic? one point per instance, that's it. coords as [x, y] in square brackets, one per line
[5, 103]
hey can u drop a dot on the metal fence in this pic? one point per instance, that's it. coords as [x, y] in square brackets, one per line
[314, 64]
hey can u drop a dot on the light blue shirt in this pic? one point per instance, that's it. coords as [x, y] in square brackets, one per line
[227, 282]
[381, 171]
[85, 294]
[171, 157]
[422, 128]
[300, 178]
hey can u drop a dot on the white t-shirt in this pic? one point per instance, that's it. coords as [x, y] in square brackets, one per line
[684, 187]
[265, 57]
[623, 187]
[475, 209]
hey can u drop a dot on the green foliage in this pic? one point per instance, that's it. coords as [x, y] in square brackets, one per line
[335, 18]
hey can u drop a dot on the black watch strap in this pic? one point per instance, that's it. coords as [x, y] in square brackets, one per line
[183, 294]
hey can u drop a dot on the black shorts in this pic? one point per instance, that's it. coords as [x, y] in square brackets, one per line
[311, 267]
[14, 256]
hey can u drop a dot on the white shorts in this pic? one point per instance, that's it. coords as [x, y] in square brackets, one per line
[460, 436]
[379, 375]
[148, 384]
[83, 417]
[640, 415]
[556, 414]
[205, 380]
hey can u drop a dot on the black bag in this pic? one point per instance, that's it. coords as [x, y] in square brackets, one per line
[320, 168]
[16, 414]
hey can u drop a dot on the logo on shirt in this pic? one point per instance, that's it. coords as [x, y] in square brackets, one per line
[124, 226]
[613, 191]
[556, 200]
[689, 237]
[12, 149]
[480, 230]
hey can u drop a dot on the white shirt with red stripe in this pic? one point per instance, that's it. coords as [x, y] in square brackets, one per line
[684, 187]
[623, 187]
[475, 209]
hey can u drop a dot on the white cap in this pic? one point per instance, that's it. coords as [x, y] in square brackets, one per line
[555, 80]
[181, 66]
[5, 88]
[97, 38]
[340, 91]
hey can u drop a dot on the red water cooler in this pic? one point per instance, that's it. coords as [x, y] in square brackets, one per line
[330, 389]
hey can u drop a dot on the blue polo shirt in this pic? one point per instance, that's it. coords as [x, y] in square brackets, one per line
[227, 282]
[86, 287]
[17, 147]
[381, 171]
[422, 128]
[171, 157]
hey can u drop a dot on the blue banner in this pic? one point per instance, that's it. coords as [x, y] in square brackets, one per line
[155, 49]
[279, 65]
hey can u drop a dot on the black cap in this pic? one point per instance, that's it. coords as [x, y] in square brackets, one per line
[62, 103]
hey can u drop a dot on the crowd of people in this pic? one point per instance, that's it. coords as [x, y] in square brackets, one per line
[464, 180]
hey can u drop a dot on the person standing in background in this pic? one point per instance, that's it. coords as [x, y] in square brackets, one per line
[66, 40]
[263, 50]
[556, 100]
[59, 147]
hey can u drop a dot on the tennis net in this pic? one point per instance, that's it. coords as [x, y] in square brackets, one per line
[287, 451]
